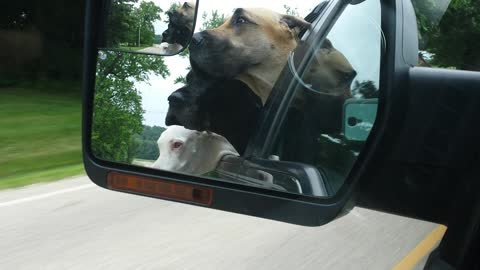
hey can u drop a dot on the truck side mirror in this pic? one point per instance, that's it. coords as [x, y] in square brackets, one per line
[296, 183]
[145, 27]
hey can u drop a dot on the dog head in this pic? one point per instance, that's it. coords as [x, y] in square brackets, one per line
[226, 107]
[251, 43]
[331, 72]
[180, 24]
[191, 151]
[176, 35]
[185, 104]
[183, 15]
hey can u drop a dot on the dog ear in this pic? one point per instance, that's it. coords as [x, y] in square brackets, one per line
[327, 44]
[295, 23]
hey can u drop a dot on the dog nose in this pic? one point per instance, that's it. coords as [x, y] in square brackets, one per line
[353, 74]
[169, 13]
[197, 39]
[176, 98]
[171, 120]
[348, 76]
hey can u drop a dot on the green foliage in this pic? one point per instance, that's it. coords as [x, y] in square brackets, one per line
[452, 35]
[118, 112]
[146, 143]
[214, 21]
[120, 22]
[131, 25]
[174, 6]
[145, 15]
[180, 79]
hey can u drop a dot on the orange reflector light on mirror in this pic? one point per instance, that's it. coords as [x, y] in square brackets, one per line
[160, 188]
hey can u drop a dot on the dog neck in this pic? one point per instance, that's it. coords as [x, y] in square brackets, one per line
[261, 80]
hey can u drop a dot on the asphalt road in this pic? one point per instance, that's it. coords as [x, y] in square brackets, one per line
[162, 49]
[156, 49]
[73, 224]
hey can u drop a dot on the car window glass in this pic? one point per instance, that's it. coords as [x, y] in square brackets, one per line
[335, 104]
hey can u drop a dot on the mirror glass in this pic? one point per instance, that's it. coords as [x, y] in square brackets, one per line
[160, 27]
[202, 112]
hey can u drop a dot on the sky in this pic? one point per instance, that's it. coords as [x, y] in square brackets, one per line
[352, 35]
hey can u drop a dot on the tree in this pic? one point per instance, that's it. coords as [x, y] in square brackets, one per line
[120, 22]
[145, 15]
[214, 21]
[147, 147]
[118, 112]
[180, 79]
[451, 33]
[131, 23]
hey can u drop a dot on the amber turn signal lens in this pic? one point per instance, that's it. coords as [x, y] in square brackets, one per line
[160, 188]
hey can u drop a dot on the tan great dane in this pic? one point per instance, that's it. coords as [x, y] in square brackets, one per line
[330, 72]
[183, 15]
[180, 28]
[253, 46]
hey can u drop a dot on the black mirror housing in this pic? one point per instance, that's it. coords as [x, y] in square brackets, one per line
[303, 207]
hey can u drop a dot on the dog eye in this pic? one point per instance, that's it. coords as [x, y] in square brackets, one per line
[241, 20]
[176, 145]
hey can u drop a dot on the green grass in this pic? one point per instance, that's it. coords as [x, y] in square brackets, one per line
[40, 133]
[134, 48]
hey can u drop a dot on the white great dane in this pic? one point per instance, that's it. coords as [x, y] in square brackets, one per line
[191, 151]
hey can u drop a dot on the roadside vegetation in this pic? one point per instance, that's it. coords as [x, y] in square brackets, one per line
[133, 48]
[132, 24]
[40, 132]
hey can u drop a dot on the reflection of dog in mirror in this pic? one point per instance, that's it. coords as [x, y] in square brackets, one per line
[180, 26]
[251, 46]
[227, 107]
[330, 72]
[320, 111]
[191, 151]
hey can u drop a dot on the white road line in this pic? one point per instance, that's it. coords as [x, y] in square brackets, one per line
[46, 195]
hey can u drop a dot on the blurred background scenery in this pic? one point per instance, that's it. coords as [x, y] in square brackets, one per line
[40, 77]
